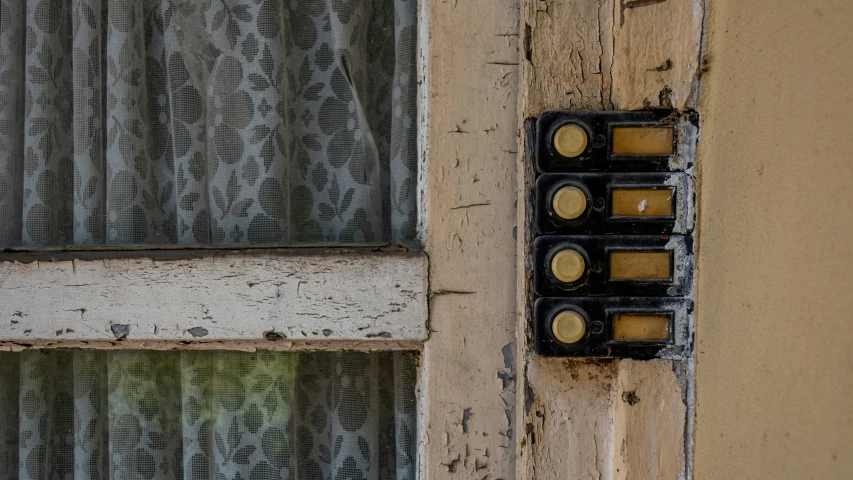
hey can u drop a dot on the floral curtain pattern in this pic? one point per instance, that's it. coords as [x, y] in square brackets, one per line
[207, 121]
[207, 415]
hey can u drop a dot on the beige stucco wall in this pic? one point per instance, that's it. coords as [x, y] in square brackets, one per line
[774, 353]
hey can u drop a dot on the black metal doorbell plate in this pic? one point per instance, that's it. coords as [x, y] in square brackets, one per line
[613, 214]
[598, 315]
[599, 216]
[597, 155]
[597, 251]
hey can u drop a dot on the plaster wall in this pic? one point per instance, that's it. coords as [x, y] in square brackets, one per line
[774, 352]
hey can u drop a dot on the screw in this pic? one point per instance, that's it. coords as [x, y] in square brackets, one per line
[596, 266]
[597, 327]
[598, 202]
[599, 141]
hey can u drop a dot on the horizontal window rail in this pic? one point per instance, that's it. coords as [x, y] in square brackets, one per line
[282, 297]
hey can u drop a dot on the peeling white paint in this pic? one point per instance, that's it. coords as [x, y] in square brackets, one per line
[685, 211]
[683, 274]
[237, 296]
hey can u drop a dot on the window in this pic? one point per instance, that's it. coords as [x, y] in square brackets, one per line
[130, 122]
[208, 122]
[206, 415]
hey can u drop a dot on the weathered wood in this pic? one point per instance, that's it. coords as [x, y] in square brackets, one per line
[656, 53]
[271, 343]
[624, 54]
[568, 414]
[469, 361]
[232, 296]
[649, 413]
[610, 54]
[568, 53]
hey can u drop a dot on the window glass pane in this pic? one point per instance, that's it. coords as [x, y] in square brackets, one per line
[207, 415]
[196, 122]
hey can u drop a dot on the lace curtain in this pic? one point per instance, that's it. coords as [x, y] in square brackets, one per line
[207, 121]
[207, 415]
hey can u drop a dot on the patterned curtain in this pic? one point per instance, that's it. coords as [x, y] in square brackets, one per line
[207, 121]
[90, 415]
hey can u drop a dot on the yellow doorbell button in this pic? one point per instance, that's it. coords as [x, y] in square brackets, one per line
[568, 327]
[568, 265]
[569, 203]
[570, 140]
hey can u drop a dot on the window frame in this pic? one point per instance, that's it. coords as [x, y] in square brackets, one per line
[467, 133]
[195, 295]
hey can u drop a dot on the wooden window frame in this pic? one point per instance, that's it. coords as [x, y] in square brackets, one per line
[362, 297]
[209, 297]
